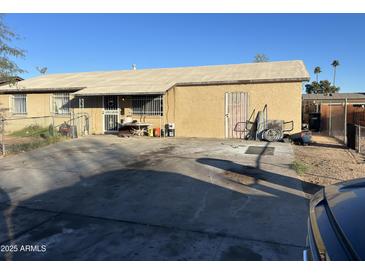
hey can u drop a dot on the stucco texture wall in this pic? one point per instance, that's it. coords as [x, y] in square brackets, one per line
[93, 106]
[4, 104]
[93, 109]
[198, 111]
[125, 105]
[39, 113]
[38, 106]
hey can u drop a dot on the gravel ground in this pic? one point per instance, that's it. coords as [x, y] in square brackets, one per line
[329, 162]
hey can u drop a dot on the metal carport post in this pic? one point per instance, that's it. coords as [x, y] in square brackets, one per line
[345, 137]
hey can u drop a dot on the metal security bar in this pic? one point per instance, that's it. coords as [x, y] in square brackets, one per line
[147, 105]
[111, 113]
[236, 107]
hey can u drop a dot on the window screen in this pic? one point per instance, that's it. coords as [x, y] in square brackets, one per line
[19, 105]
[61, 103]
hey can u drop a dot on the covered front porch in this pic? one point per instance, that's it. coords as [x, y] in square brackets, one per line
[108, 113]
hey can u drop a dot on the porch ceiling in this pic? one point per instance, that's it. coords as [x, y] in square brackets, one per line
[123, 90]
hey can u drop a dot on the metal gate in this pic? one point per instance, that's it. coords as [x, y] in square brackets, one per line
[110, 114]
[236, 111]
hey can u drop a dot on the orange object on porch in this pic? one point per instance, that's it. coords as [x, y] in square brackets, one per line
[156, 132]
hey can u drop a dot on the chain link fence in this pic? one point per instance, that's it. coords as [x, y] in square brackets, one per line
[25, 133]
[360, 139]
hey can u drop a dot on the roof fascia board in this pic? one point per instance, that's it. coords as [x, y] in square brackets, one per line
[209, 83]
[118, 93]
[39, 90]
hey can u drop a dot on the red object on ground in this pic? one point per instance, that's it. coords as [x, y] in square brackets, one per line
[156, 132]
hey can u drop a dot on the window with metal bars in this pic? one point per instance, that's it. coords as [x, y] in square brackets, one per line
[19, 104]
[61, 103]
[147, 105]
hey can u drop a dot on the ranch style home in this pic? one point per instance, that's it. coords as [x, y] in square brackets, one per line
[201, 101]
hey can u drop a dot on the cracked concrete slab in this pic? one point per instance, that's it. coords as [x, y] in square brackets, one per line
[109, 198]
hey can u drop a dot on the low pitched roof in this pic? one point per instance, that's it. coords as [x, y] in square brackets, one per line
[148, 81]
[335, 96]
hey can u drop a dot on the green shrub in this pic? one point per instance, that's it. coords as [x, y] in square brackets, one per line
[34, 131]
[299, 167]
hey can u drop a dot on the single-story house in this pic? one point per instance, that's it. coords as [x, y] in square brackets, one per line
[8, 80]
[202, 101]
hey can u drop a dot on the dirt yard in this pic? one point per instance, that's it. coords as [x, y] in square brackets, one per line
[327, 162]
[16, 140]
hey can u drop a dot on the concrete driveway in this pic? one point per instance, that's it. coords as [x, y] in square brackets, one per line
[110, 198]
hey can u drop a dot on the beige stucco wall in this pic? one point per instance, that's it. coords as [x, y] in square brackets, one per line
[125, 105]
[4, 103]
[198, 111]
[93, 110]
[38, 106]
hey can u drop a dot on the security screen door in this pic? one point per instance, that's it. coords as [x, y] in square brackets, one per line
[111, 113]
[236, 111]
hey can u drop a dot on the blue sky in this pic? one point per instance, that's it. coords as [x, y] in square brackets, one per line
[94, 42]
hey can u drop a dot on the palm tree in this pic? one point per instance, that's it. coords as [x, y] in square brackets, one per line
[317, 71]
[260, 58]
[335, 63]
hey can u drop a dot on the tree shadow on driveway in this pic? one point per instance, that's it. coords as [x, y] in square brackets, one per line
[257, 174]
[131, 214]
[277, 181]
[4, 229]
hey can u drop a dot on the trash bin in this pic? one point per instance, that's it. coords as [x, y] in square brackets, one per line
[170, 129]
[315, 121]
[150, 132]
[171, 133]
[156, 132]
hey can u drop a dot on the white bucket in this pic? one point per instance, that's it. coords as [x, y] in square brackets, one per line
[128, 120]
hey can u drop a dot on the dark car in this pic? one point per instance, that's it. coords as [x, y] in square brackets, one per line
[336, 224]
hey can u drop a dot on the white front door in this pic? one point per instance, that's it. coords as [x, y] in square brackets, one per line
[110, 113]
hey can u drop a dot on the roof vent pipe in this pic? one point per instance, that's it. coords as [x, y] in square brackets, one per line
[134, 67]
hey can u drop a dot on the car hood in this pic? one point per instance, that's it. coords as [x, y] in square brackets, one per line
[347, 204]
